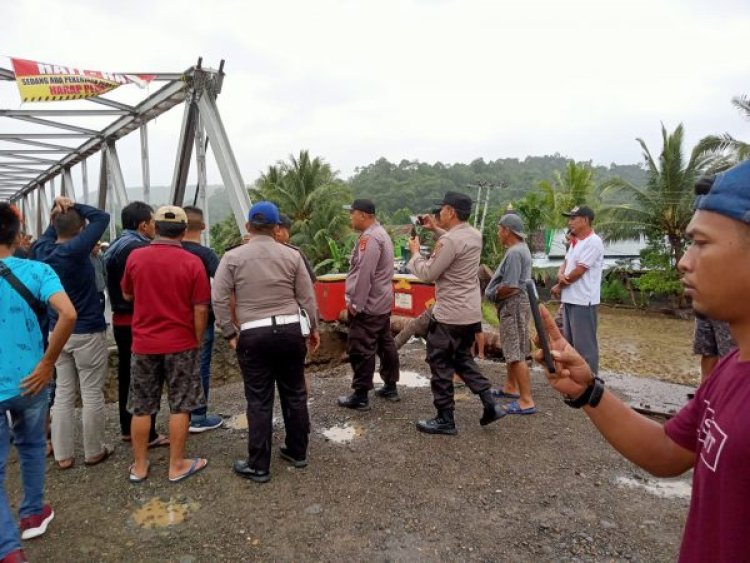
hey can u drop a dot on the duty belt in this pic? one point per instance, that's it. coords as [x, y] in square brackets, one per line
[270, 321]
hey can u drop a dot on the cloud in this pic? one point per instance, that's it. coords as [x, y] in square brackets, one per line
[448, 80]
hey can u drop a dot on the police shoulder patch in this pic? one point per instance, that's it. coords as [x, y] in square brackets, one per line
[363, 243]
[437, 248]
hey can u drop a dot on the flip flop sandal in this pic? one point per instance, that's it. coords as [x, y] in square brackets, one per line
[160, 441]
[515, 408]
[195, 467]
[133, 478]
[100, 458]
[500, 394]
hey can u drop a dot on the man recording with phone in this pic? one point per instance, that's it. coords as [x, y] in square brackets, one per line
[457, 315]
[711, 434]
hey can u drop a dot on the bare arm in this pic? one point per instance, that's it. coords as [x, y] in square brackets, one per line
[641, 440]
[573, 276]
[66, 322]
[200, 316]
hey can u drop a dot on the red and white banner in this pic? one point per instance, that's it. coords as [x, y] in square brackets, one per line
[42, 82]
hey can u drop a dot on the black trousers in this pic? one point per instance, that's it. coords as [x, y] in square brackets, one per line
[449, 352]
[124, 342]
[370, 335]
[267, 356]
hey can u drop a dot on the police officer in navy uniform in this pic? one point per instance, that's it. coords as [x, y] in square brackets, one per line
[369, 300]
[273, 298]
[457, 315]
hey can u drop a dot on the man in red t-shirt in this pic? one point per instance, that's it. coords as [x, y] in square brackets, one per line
[711, 434]
[171, 294]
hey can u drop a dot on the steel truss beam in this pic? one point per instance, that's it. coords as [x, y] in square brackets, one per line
[22, 180]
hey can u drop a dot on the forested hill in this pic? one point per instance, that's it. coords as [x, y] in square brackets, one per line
[416, 185]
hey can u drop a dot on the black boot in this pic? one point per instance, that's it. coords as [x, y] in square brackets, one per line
[443, 423]
[357, 401]
[492, 410]
[389, 392]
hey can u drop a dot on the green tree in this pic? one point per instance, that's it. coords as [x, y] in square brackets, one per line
[310, 193]
[534, 211]
[729, 150]
[662, 208]
[224, 234]
[574, 186]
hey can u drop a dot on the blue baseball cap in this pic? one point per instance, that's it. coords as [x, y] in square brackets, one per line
[264, 213]
[729, 194]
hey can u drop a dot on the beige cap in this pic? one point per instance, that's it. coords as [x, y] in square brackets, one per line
[170, 214]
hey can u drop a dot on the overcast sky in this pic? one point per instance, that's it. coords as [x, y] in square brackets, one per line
[433, 80]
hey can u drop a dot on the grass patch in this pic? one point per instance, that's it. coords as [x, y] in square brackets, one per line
[489, 314]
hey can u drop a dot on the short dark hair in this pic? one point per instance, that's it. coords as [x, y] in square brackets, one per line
[462, 215]
[68, 224]
[135, 213]
[10, 224]
[170, 230]
[262, 228]
[193, 211]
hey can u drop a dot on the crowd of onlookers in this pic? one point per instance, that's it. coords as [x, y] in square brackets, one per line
[158, 279]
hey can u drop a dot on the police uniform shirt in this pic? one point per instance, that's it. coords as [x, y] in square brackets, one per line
[267, 278]
[369, 284]
[453, 267]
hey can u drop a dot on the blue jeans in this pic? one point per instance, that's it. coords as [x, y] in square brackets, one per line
[29, 415]
[206, 353]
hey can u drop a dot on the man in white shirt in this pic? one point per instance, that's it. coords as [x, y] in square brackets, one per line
[579, 281]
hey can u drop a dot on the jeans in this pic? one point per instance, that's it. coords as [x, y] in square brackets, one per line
[29, 415]
[82, 364]
[206, 353]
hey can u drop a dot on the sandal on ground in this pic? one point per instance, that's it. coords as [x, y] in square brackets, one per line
[161, 441]
[500, 394]
[515, 408]
[198, 464]
[65, 464]
[100, 458]
[135, 479]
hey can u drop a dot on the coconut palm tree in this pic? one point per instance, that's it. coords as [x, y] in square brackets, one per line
[662, 208]
[574, 186]
[729, 150]
[309, 192]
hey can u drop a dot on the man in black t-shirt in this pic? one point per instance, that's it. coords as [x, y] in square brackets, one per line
[200, 420]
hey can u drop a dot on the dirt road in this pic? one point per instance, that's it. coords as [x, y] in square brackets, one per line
[541, 488]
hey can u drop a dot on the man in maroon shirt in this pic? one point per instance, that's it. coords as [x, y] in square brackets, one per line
[711, 434]
[171, 293]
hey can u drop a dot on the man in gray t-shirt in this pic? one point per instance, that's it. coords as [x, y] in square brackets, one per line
[507, 292]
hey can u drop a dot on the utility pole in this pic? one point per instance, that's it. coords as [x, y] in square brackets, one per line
[481, 186]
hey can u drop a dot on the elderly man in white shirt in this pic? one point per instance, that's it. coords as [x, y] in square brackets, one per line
[579, 281]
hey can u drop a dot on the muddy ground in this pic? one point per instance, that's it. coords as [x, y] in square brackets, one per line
[543, 487]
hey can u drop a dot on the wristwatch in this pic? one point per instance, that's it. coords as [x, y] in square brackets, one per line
[591, 396]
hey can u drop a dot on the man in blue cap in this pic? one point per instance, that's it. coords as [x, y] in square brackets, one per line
[276, 312]
[711, 434]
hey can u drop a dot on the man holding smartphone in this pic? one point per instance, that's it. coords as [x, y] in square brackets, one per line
[457, 315]
[711, 434]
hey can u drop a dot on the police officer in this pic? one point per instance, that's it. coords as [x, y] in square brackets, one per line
[274, 297]
[457, 315]
[369, 299]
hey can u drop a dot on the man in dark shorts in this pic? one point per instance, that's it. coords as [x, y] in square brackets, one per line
[171, 295]
[712, 341]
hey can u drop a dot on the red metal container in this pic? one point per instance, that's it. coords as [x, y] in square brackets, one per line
[411, 296]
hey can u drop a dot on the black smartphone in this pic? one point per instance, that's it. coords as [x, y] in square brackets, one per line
[539, 325]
